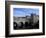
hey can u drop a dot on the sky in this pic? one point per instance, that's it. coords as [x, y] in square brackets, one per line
[22, 12]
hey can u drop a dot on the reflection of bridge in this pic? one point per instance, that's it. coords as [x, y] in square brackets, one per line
[26, 22]
[26, 25]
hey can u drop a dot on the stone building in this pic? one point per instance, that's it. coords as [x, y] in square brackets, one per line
[33, 18]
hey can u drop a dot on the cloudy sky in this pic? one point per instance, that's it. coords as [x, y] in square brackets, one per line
[22, 12]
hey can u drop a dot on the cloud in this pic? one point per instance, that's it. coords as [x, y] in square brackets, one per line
[24, 11]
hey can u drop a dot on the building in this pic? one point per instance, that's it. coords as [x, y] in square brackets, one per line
[33, 18]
